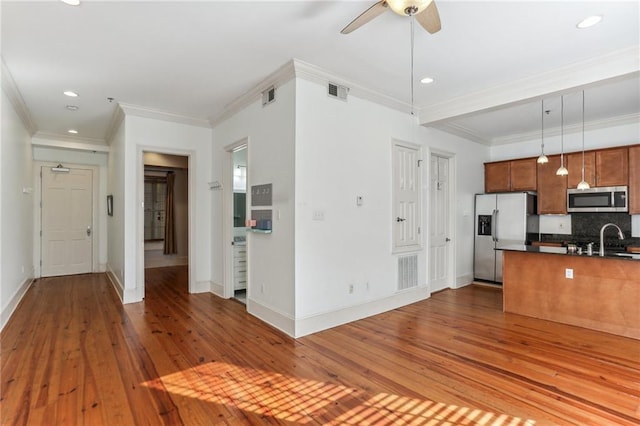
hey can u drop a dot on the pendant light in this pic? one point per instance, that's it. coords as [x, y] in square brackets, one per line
[542, 159]
[583, 183]
[562, 170]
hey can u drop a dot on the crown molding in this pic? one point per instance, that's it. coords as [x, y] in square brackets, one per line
[10, 88]
[50, 140]
[461, 131]
[574, 128]
[623, 63]
[277, 78]
[296, 68]
[140, 111]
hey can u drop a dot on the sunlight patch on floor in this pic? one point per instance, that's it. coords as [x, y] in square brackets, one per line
[305, 401]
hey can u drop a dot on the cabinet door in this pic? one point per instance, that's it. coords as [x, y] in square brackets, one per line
[612, 166]
[523, 175]
[574, 165]
[634, 179]
[552, 189]
[497, 177]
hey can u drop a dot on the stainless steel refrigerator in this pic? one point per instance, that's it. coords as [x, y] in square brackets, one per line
[501, 220]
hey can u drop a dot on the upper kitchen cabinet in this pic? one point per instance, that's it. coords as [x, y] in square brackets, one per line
[523, 174]
[574, 165]
[612, 166]
[552, 189]
[497, 176]
[634, 179]
[506, 176]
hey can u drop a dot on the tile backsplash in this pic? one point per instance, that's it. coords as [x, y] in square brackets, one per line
[585, 227]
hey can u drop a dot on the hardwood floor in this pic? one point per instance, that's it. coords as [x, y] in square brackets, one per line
[72, 354]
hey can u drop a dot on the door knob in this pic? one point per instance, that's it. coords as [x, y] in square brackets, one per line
[447, 239]
[88, 231]
[400, 219]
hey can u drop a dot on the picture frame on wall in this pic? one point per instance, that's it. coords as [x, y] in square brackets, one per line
[110, 205]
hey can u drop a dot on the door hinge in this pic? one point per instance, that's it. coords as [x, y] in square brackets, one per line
[41, 263]
[41, 232]
[418, 229]
[419, 163]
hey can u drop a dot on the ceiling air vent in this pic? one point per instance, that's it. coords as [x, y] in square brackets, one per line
[268, 96]
[338, 92]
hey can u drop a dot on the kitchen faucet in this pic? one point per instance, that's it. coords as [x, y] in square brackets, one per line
[620, 235]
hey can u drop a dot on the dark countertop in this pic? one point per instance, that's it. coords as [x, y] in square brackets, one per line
[563, 251]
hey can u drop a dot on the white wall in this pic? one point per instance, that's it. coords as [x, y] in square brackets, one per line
[116, 183]
[147, 134]
[16, 211]
[343, 149]
[627, 134]
[270, 132]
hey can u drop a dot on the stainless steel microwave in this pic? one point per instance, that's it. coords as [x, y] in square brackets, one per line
[605, 199]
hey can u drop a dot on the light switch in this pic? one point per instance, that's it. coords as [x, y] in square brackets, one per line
[359, 200]
[318, 215]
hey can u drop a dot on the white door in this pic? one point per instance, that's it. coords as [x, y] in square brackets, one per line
[439, 224]
[67, 231]
[406, 197]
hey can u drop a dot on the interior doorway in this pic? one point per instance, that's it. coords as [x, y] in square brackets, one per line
[166, 210]
[239, 203]
[440, 228]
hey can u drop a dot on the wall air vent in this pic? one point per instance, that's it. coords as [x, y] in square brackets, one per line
[268, 96]
[337, 91]
[407, 272]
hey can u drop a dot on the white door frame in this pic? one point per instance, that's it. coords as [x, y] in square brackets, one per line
[140, 286]
[451, 250]
[37, 217]
[227, 214]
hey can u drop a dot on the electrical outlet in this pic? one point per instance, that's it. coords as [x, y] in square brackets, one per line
[568, 273]
[350, 288]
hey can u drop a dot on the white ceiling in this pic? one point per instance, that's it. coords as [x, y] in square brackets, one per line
[493, 61]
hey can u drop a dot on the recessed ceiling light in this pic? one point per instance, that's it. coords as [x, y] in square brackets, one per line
[589, 22]
[72, 107]
[427, 80]
[71, 2]
[72, 131]
[71, 93]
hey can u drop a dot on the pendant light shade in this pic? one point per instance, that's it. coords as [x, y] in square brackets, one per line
[583, 183]
[542, 159]
[562, 170]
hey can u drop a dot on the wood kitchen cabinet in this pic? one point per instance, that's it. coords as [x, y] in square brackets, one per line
[524, 174]
[552, 189]
[497, 176]
[514, 175]
[573, 162]
[634, 179]
[612, 166]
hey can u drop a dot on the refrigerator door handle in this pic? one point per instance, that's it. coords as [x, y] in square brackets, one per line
[494, 225]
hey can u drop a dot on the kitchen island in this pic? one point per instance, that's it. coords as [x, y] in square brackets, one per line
[603, 293]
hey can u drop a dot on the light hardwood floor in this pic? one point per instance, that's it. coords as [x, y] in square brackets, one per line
[72, 354]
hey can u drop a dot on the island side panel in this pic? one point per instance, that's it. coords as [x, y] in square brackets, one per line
[603, 295]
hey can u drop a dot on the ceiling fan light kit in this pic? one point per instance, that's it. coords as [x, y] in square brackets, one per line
[408, 7]
[425, 11]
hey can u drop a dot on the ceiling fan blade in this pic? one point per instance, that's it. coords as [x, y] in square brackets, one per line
[366, 16]
[430, 18]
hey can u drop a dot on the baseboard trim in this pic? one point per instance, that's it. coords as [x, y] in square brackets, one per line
[217, 289]
[272, 317]
[324, 321]
[202, 287]
[115, 282]
[10, 308]
[464, 280]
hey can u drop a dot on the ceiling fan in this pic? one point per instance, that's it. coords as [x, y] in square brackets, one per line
[425, 11]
